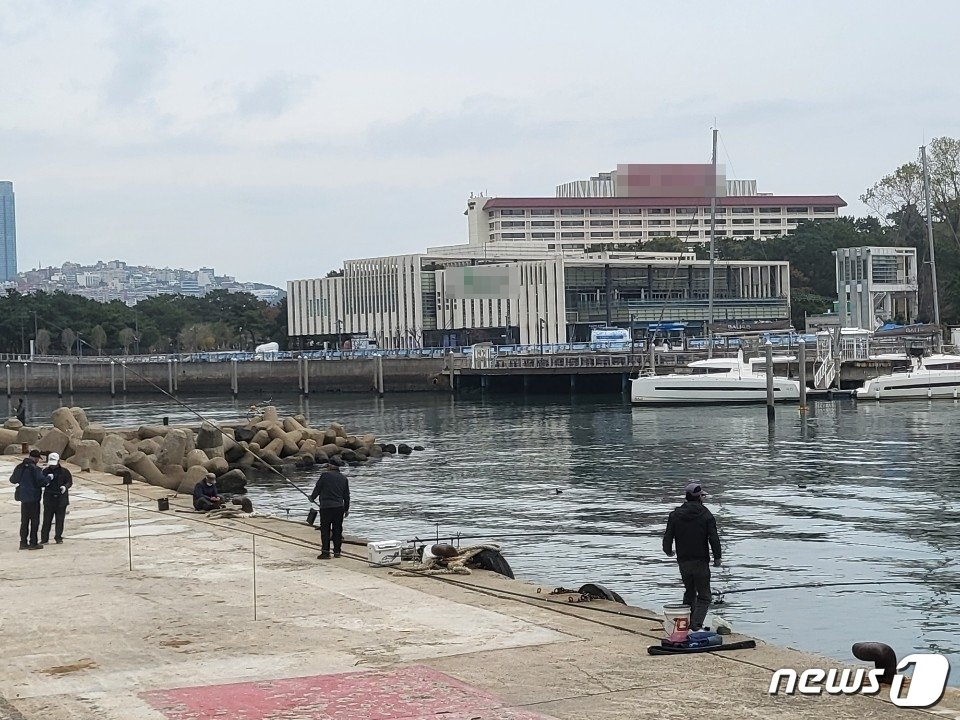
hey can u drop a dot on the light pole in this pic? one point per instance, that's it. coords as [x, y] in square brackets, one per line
[339, 335]
[541, 331]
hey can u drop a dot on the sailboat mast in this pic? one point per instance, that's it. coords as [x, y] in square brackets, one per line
[933, 259]
[713, 226]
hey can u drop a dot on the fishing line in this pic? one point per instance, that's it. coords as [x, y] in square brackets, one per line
[852, 583]
[267, 465]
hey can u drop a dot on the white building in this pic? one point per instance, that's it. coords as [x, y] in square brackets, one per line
[876, 285]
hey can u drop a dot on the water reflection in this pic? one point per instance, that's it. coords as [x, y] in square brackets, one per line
[850, 494]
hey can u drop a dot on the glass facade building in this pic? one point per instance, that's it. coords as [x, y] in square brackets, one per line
[8, 233]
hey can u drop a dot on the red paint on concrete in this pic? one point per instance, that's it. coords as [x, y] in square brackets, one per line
[411, 693]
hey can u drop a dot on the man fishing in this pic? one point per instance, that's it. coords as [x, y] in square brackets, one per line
[694, 530]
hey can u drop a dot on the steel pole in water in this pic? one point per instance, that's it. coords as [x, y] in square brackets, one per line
[380, 375]
[59, 380]
[300, 374]
[113, 379]
[71, 378]
[176, 375]
[170, 376]
[123, 376]
[233, 379]
[9, 386]
[770, 410]
[306, 377]
[802, 357]
[24, 377]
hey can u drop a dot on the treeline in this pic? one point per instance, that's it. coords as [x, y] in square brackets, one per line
[63, 324]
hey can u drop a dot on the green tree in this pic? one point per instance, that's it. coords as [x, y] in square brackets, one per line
[126, 337]
[68, 337]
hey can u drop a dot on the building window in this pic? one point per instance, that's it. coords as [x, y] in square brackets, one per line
[542, 223]
[601, 223]
[743, 221]
[514, 236]
[823, 209]
[770, 221]
[658, 211]
[512, 223]
[571, 211]
[601, 234]
[742, 211]
[657, 223]
[630, 211]
[571, 223]
[798, 209]
[743, 233]
[601, 211]
[542, 212]
[766, 233]
[686, 211]
[631, 223]
[571, 234]
[512, 212]
[796, 221]
[631, 234]
[659, 233]
[770, 210]
[544, 236]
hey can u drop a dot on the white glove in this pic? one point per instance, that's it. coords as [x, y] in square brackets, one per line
[63, 489]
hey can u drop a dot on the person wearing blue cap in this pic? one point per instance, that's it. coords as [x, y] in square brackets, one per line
[694, 531]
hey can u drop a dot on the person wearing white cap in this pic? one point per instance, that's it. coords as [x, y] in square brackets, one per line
[56, 497]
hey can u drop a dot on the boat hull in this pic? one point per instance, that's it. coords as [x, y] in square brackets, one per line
[694, 390]
[944, 384]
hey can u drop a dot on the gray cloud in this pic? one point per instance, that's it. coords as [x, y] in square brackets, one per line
[141, 48]
[272, 96]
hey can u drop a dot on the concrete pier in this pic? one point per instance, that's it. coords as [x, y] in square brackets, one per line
[87, 638]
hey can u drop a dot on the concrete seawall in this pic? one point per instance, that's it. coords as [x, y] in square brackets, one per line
[353, 375]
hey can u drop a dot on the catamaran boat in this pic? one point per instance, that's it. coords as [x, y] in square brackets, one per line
[717, 381]
[934, 376]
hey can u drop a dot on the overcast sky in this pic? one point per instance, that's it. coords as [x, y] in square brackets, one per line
[272, 140]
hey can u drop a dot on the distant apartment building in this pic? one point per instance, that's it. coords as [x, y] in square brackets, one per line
[548, 269]
[8, 233]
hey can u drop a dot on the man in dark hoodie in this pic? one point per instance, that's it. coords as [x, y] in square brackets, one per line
[694, 530]
[332, 492]
[56, 497]
[30, 483]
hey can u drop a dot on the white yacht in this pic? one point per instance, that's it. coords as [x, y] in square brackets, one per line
[718, 381]
[935, 376]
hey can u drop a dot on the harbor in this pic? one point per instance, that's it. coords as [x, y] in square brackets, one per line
[174, 616]
[797, 502]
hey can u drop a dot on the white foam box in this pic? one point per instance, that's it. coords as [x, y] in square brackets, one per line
[385, 552]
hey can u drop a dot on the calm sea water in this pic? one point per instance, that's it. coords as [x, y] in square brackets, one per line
[859, 493]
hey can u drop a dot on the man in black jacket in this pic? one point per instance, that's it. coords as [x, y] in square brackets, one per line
[30, 483]
[694, 530]
[56, 497]
[333, 492]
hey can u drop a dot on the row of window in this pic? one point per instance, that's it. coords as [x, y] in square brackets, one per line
[705, 211]
[632, 234]
[639, 223]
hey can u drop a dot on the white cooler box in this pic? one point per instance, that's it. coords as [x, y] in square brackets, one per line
[386, 552]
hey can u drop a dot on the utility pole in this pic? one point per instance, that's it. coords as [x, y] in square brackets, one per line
[713, 227]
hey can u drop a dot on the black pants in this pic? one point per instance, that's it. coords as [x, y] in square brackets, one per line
[29, 522]
[331, 523]
[696, 589]
[205, 504]
[51, 511]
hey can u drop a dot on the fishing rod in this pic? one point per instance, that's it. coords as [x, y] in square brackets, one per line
[189, 409]
[850, 583]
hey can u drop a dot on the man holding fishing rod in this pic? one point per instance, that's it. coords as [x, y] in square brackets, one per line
[694, 530]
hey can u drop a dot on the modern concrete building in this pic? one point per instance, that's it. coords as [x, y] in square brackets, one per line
[876, 285]
[431, 301]
[8, 233]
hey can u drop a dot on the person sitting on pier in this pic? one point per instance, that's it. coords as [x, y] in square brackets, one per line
[206, 496]
[694, 529]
